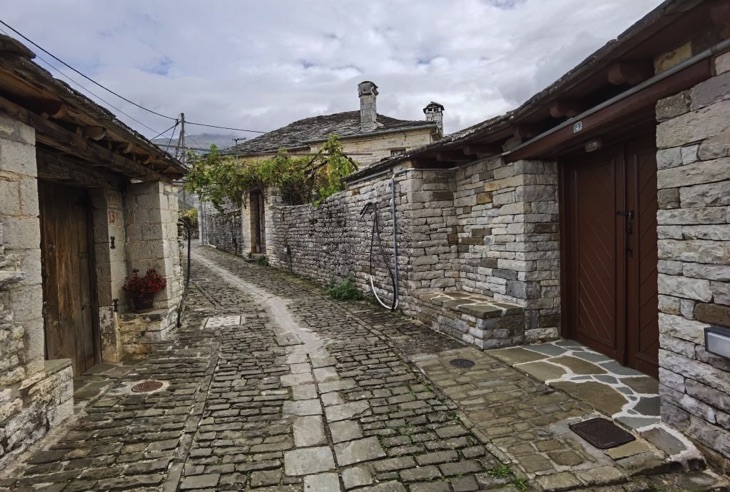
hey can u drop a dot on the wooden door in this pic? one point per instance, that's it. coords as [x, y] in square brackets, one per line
[610, 257]
[67, 269]
[642, 346]
[258, 244]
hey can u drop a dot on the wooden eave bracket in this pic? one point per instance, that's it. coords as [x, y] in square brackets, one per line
[452, 156]
[566, 108]
[632, 73]
[720, 13]
[481, 150]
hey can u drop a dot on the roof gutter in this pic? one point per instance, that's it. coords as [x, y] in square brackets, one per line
[718, 48]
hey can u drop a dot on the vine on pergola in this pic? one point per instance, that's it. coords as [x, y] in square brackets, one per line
[222, 179]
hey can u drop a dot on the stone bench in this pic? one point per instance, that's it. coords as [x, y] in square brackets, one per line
[475, 319]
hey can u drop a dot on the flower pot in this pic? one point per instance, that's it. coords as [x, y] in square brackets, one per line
[143, 303]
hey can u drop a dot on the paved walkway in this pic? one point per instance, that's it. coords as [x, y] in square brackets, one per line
[270, 385]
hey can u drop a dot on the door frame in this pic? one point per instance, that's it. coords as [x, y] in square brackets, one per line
[567, 272]
[91, 255]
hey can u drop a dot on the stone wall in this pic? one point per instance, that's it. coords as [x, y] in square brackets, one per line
[151, 214]
[34, 394]
[367, 150]
[693, 179]
[224, 230]
[507, 237]
[332, 241]
[111, 267]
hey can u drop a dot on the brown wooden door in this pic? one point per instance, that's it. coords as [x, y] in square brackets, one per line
[258, 244]
[66, 254]
[610, 257]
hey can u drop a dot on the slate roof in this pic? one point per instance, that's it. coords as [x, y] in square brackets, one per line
[318, 128]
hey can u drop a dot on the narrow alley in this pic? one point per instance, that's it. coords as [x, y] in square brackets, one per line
[271, 385]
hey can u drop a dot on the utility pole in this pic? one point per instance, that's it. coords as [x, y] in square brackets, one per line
[181, 154]
[180, 151]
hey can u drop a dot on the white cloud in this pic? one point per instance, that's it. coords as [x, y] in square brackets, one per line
[258, 65]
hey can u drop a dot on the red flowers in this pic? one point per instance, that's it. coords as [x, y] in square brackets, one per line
[150, 284]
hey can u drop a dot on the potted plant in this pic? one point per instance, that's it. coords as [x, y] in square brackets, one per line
[142, 290]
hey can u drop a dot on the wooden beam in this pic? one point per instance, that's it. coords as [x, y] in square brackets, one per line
[591, 125]
[525, 131]
[426, 163]
[632, 73]
[95, 132]
[481, 150]
[125, 148]
[55, 136]
[452, 156]
[569, 108]
[720, 13]
[61, 168]
[55, 110]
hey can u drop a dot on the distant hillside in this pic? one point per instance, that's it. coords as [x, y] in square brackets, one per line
[201, 141]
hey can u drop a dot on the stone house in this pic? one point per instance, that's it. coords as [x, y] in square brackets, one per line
[366, 136]
[597, 211]
[85, 200]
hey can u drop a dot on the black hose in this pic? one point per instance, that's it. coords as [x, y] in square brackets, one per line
[376, 233]
[180, 306]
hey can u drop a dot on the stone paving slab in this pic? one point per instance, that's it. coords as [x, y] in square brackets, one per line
[247, 407]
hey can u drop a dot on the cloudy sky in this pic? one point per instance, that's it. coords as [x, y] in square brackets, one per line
[260, 65]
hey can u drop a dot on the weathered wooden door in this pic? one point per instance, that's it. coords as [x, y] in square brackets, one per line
[258, 243]
[67, 262]
[610, 255]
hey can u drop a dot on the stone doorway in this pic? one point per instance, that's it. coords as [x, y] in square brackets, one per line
[610, 253]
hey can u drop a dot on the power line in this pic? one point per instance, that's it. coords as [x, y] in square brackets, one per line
[162, 133]
[81, 73]
[115, 93]
[223, 127]
[50, 65]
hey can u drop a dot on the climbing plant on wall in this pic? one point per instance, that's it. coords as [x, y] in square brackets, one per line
[219, 178]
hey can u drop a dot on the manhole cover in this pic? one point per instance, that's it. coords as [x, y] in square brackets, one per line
[602, 433]
[462, 363]
[146, 386]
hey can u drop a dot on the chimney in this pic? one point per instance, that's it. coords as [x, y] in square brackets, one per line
[435, 112]
[368, 111]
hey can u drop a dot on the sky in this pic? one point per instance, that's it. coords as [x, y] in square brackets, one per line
[260, 65]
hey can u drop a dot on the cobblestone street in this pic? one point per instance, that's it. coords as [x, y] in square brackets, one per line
[271, 385]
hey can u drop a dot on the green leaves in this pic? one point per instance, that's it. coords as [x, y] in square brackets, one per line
[300, 178]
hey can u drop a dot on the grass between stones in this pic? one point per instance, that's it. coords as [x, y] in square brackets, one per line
[505, 472]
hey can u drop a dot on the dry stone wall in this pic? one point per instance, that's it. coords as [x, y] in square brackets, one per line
[507, 237]
[693, 179]
[34, 394]
[224, 230]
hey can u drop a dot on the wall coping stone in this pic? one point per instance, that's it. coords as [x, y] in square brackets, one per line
[56, 365]
[477, 305]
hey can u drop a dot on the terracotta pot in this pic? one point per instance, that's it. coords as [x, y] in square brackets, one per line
[143, 303]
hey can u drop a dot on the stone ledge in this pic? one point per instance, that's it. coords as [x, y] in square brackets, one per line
[154, 315]
[472, 318]
[476, 305]
[56, 365]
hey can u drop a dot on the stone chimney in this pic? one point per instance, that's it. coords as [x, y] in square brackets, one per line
[435, 112]
[368, 92]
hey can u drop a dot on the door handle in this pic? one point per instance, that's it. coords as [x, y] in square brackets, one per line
[629, 229]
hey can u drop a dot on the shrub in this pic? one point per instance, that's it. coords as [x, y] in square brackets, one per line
[345, 290]
[262, 261]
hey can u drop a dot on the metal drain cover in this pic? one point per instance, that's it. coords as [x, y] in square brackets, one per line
[462, 363]
[602, 433]
[146, 386]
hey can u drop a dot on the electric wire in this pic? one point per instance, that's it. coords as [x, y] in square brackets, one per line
[223, 127]
[81, 73]
[59, 60]
[92, 93]
[162, 133]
